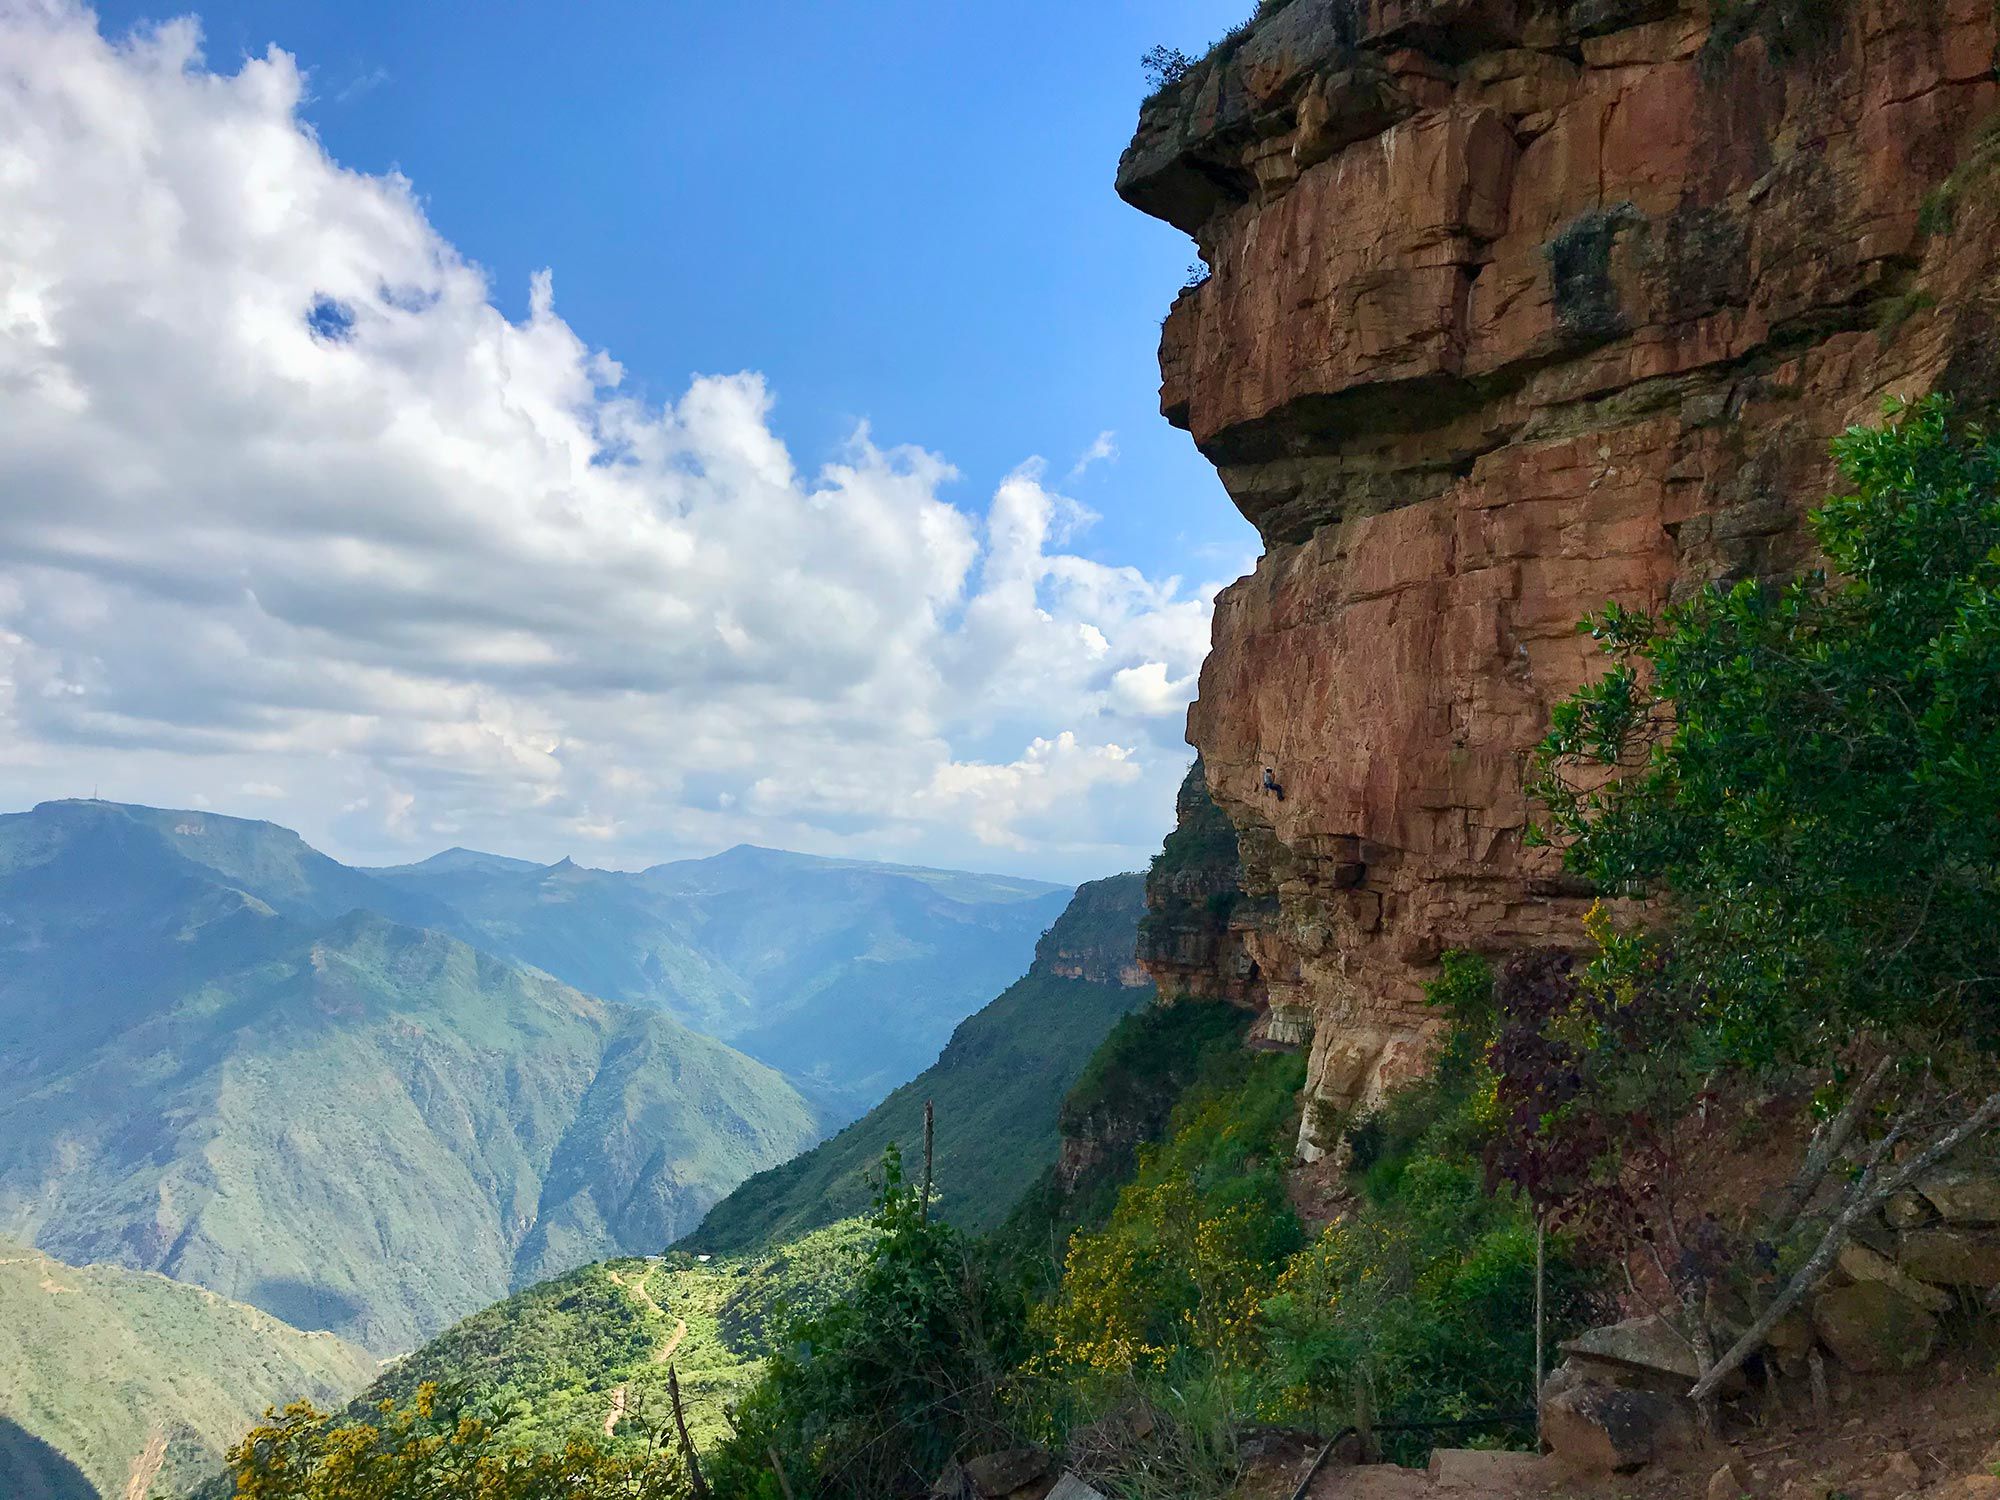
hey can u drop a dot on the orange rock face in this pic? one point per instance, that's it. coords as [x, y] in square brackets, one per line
[1515, 310]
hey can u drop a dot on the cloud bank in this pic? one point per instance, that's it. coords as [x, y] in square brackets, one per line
[294, 521]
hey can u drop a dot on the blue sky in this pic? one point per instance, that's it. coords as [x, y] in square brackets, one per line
[899, 211]
[604, 430]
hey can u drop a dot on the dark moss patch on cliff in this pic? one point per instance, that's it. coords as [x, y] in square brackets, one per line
[1939, 210]
[1707, 260]
[1586, 297]
[1602, 17]
[1793, 31]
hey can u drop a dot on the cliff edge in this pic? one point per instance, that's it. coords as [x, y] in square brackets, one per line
[1516, 308]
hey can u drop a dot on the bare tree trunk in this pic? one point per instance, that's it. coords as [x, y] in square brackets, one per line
[1827, 1144]
[696, 1484]
[1541, 1228]
[1868, 1193]
[778, 1468]
[924, 1207]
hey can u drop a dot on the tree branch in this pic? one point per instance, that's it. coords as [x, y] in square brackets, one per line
[1866, 1195]
[1825, 1150]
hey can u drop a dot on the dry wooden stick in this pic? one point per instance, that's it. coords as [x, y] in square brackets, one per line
[696, 1483]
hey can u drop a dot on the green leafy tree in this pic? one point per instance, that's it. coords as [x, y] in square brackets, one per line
[1808, 776]
[1811, 773]
[876, 1394]
[435, 1448]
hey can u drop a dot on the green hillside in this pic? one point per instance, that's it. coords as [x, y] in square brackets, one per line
[996, 1090]
[352, 1124]
[575, 1352]
[846, 975]
[126, 1374]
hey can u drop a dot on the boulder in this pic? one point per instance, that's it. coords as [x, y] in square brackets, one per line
[1638, 1346]
[1948, 1256]
[1606, 1427]
[1791, 1338]
[1908, 1209]
[1903, 1472]
[1869, 1327]
[1860, 1263]
[1069, 1487]
[1726, 1484]
[1011, 1474]
[1963, 1195]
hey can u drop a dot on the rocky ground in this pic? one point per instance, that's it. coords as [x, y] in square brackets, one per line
[1887, 1438]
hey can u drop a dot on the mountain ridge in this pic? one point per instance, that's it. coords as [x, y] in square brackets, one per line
[348, 1121]
[995, 1090]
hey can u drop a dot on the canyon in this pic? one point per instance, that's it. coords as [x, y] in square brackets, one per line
[1512, 310]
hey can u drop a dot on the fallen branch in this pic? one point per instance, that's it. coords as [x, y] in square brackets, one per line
[1867, 1194]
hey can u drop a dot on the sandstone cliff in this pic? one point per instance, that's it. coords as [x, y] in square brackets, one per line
[1092, 939]
[1516, 308]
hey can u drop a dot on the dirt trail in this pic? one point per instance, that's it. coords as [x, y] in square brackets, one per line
[611, 1418]
[146, 1467]
[666, 1351]
[638, 1289]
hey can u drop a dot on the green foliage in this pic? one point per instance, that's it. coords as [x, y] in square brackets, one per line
[995, 1088]
[1811, 773]
[1163, 67]
[544, 1365]
[1124, 1096]
[1411, 1305]
[1194, 1237]
[873, 1396]
[95, 1359]
[1203, 838]
[1150, 1059]
[435, 1448]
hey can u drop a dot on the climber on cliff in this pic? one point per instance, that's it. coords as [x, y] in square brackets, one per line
[1271, 785]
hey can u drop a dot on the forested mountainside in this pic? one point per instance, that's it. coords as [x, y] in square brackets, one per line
[848, 976]
[351, 1123]
[587, 1352]
[995, 1090]
[121, 1383]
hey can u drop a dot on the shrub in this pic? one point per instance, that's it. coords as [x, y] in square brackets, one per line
[1811, 773]
[1197, 1235]
[1413, 1305]
[435, 1449]
[874, 1395]
[1164, 66]
[1809, 778]
[1194, 1238]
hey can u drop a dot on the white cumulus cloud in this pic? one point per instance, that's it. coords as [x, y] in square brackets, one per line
[289, 511]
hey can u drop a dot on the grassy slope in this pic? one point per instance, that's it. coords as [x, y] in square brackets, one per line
[99, 1362]
[352, 1124]
[554, 1357]
[996, 1090]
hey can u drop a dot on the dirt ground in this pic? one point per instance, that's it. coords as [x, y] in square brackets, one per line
[1887, 1437]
